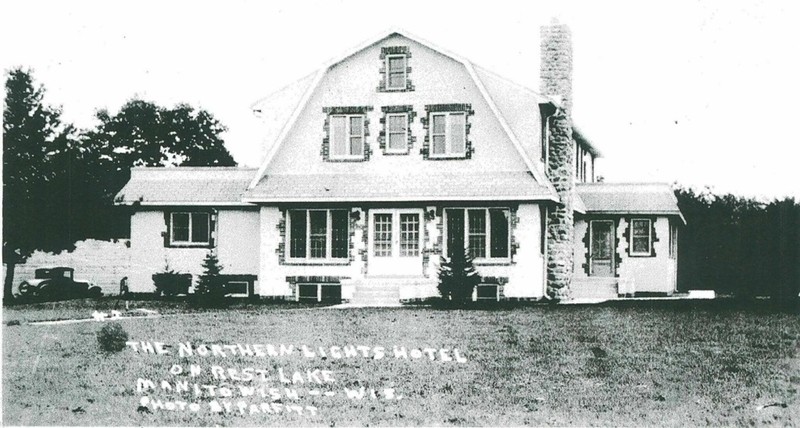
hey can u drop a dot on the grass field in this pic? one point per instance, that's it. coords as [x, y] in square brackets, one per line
[678, 364]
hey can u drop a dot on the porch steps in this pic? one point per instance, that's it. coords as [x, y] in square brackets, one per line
[593, 288]
[380, 290]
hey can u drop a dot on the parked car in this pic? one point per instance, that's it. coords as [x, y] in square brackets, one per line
[56, 284]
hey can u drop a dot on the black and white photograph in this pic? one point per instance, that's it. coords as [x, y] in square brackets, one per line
[353, 213]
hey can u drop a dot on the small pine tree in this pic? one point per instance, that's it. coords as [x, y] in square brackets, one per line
[458, 277]
[210, 289]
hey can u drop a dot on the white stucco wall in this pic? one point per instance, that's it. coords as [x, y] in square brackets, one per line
[526, 273]
[237, 237]
[648, 274]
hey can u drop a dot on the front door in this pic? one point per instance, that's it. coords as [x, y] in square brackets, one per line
[395, 242]
[601, 248]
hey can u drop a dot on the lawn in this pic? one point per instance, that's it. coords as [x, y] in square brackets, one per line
[677, 364]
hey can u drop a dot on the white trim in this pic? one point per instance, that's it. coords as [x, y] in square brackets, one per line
[649, 237]
[388, 72]
[310, 199]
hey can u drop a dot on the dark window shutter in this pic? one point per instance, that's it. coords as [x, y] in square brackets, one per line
[166, 233]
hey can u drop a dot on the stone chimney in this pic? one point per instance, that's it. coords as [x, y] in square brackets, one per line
[556, 81]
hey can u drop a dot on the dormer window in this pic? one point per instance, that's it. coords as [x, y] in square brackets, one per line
[396, 72]
[347, 137]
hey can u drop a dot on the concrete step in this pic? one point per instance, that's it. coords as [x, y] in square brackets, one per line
[376, 294]
[598, 287]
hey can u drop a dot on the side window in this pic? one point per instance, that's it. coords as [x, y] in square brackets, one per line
[641, 242]
[189, 229]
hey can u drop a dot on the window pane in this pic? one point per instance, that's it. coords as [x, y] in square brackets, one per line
[337, 135]
[455, 231]
[499, 233]
[200, 227]
[356, 125]
[356, 146]
[397, 64]
[319, 233]
[382, 238]
[180, 227]
[297, 234]
[438, 145]
[438, 122]
[397, 141]
[397, 123]
[601, 240]
[339, 234]
[397, 80]
[641, 245]
[457, 129]
[409, 235]
[641, 228]
[477, 233]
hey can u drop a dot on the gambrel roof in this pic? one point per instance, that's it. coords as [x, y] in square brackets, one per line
[495, 91]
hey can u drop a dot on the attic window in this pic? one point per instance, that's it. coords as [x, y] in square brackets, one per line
[395, 70]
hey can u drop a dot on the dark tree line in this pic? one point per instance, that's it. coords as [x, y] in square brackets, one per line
[739, 246]
[59, 182]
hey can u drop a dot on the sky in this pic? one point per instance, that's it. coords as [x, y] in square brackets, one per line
[699, 93]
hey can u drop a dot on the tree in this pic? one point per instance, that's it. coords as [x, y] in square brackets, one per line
[145, 134]
[32, 134]
[210, 290]
[458, 277]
